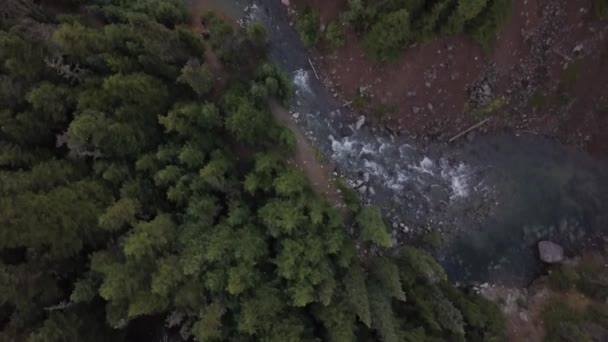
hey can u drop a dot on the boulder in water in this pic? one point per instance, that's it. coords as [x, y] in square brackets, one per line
[550, 252]
[360, 122]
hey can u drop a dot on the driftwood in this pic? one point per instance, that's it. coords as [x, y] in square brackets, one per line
[313, 68]
[469, 129]
[347, 103]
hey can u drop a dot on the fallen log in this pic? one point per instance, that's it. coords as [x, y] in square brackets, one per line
[469, 129]
[313, 68]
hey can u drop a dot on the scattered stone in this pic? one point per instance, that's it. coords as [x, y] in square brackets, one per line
[371, 191]
[550, 252]
[578, 48]
[428, 84]
[366, 177]
[430, 106]
[415, 110]
[360, 122]
[363, 190]
[285, 2]
[295, 115]
[411, 93]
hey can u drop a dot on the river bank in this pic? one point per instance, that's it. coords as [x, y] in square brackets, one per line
[490, 200]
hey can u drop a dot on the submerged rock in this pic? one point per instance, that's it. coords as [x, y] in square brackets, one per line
[550, 252]
[360, 122]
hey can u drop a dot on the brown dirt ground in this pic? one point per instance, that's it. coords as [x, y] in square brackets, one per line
[428, 90]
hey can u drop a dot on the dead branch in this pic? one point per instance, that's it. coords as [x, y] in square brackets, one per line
[313, 68]
[469, 129]
[74, 74]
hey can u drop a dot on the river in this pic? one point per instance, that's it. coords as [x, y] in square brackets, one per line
[492, 199]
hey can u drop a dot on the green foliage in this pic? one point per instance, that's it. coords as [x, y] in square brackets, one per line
[563, 277]
[383, 320]
[381, 47]
[334, 36]
[197, 76]
[490, 107]
[593, 281]
[356, 292]
[597, 313]
[387, 273]
[308, 26]
[600, 8]
[563, 323]
[372, 226]
[569, 77]
[421, 21]
[433, 238]
[487, 25]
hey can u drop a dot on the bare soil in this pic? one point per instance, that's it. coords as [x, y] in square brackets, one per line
[549, 68]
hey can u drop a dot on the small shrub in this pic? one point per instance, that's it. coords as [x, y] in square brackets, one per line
[385, 40]
[491, 107]
[598, 314]
[487, 25]
[569, 77]
[563, 278]
[307, 25]
[538, 100]
[522, 303]
[600, 8]
[433, 238]
[562, 323]
[348, 195]
[593, 282]
[334, 36]
[360, 102]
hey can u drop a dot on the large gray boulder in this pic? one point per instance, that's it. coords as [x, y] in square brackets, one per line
[550, 252]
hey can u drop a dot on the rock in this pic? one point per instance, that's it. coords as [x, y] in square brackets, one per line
[550, 252]
[577, 49]
[285, 2]
[487, 90]
[415, 110]
[366, 177]
[295, 115]
[360, 122]
[430, 106]
[346, 131]
[371, 191]
[362, 190]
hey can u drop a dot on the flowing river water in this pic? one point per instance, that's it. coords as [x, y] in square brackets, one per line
[491, 199]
